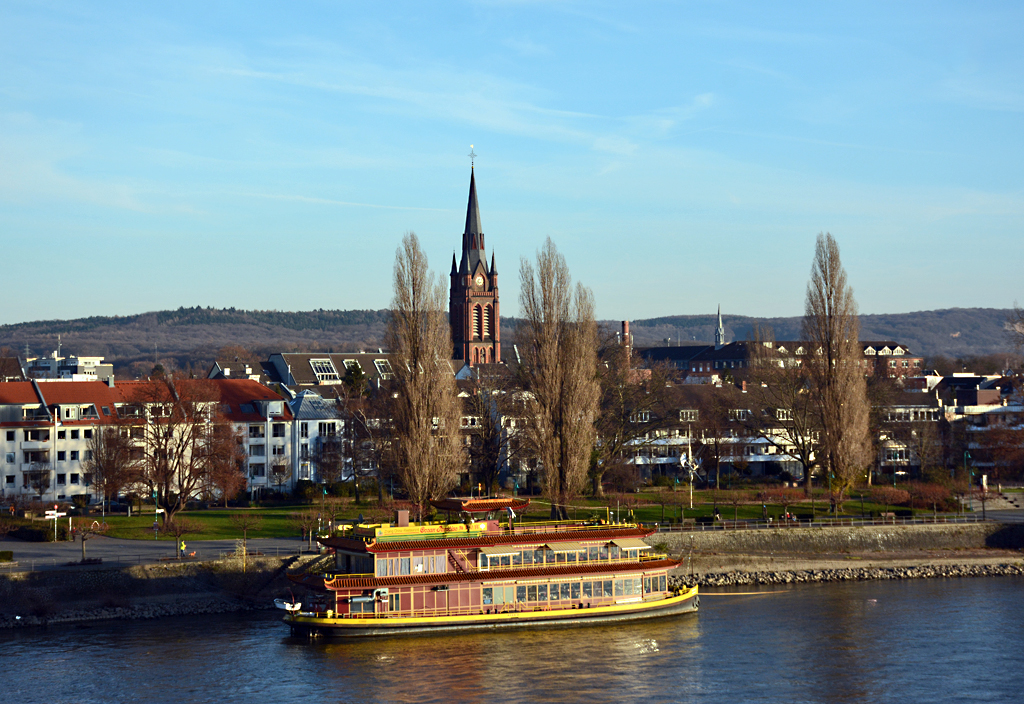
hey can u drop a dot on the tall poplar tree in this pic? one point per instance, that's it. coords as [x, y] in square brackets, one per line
[557, 344]
[425, 408]
[831, 329]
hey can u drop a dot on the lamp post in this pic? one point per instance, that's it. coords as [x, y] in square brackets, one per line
[967, 471]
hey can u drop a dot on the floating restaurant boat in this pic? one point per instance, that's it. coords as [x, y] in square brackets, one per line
[485, 573]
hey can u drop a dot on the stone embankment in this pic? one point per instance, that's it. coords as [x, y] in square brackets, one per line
[144, 592]
[852, 574]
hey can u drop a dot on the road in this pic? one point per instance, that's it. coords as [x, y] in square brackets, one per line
[117, 551]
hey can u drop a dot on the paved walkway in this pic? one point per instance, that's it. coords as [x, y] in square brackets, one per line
[117, 551]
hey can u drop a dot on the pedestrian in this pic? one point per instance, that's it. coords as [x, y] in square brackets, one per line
[182, 547]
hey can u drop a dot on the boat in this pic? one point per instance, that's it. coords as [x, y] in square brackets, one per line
[287, 605]
[481, 572]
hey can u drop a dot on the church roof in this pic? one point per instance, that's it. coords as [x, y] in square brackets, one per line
[473, 236]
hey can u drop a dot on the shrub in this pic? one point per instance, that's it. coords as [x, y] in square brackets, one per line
[890, 496]
[6, 555]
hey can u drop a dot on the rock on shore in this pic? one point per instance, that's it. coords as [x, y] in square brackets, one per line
[728, 579]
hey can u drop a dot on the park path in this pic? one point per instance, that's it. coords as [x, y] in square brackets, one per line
[118, 551]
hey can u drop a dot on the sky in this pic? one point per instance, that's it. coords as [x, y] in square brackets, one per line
[681, 155]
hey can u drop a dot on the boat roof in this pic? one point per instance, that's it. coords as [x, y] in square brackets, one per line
[471, 505]
[579, 534]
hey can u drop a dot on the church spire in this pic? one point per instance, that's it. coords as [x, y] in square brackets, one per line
[473, 236]
[720, 332]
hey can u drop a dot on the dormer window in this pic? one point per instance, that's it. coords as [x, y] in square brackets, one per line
[384, 369]
[324, 371]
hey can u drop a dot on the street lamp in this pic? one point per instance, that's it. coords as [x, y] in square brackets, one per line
[967, 471]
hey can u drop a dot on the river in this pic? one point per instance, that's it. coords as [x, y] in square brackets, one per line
[907, 641]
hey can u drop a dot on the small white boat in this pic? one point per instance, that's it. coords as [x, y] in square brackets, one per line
[290, 606]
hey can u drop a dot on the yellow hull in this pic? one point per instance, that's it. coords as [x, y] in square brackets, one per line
[314, 625]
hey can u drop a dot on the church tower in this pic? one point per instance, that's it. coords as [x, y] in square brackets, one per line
[719, 331]
[473, 303]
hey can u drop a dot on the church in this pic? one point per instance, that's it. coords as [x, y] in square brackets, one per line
[473, 303]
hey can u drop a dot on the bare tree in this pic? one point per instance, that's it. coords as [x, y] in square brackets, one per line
[785, 412]
[110, 465]
[179, 528]
[716, 431]
[557, 342]
[227, 461]
[39, 478]
[280, 473]
[425, 408]
[307, 521]
[178, 419]
[831, 329]
[1015, 327]
[246, 522]
[633, 407]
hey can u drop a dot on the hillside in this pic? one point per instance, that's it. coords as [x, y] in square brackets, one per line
[953, 332]
[192, 336]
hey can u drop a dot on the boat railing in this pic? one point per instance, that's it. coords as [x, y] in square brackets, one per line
[579, 563]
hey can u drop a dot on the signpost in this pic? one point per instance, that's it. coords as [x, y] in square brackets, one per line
[53, 516]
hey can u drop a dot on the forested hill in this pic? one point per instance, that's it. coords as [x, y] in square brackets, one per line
[193, 336]
[953, 332]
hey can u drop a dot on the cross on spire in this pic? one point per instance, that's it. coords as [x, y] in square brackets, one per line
[472, 157]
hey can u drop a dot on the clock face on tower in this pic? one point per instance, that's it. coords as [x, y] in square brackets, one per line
[479, 280]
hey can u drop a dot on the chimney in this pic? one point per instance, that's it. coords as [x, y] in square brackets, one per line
[626, 339]
[402, 518]
[743, 386]
[110, 381]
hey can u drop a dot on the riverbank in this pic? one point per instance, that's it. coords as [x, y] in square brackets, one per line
[144, 591]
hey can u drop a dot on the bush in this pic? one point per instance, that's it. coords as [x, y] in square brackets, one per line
[6, 555]
[31, 535]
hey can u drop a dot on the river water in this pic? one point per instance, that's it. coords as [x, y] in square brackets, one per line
[907, 641]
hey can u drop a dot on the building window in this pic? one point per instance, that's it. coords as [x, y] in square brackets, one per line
[74, 434]
[62, 479]
[303, 430]
[640, 417]
[324, 370]
[278, 450]
[384, 369]
[62, 434]
[256, 431]
[74, 479]
[278, 430]
[688, 415]
[739, 414]
[61, 455]
[10, 458]
[74, 455]
[258, 470]
[87, 434]
[10, 436]
[9, 480]
[326, 429]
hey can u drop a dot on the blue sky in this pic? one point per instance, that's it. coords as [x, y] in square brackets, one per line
[681, 155]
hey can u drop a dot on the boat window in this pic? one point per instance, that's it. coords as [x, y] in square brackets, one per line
[662, 580]
[520, 593]
[647, 585]
[417, 564]
[587, 594]
[538, 556]
[607, 586]
[560, 557]
[614, 551]
[549, 556]
[575, 590]
[566, 591]
[604, 552]
[542, 592]
[571, 556]
[595, 552]
[553, 592]
[484, 564]
[528, 557]
[531, 593]
[404, 565]
[382, 568]
[506, 560]
[619, 589]
[584, 555]
[488, 596]
[517, 558]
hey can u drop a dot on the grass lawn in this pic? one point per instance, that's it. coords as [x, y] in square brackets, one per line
[647, 508]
